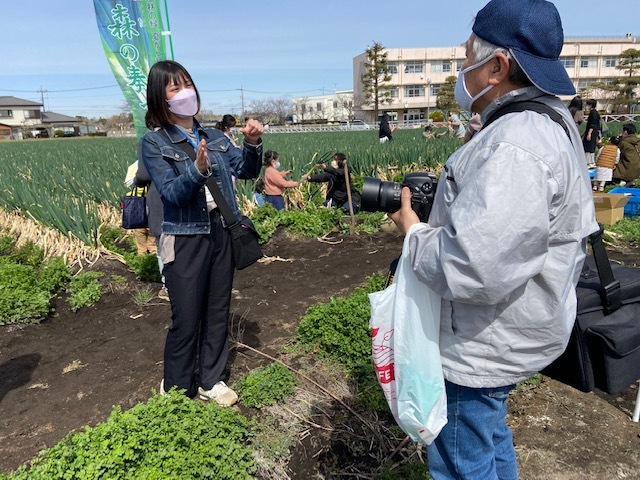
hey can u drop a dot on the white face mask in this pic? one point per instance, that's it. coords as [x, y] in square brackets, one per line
[184, 103]
[276, 165]
[462, 95]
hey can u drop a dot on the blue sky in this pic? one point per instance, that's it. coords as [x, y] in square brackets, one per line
[271, 48]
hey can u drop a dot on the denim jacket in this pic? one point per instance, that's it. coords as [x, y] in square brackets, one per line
[181, 185]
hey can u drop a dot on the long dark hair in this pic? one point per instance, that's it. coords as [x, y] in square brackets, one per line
[161, 74]
[228, 121]
[575, 104]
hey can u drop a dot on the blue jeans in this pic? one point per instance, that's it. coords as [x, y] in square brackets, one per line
[276, 200]
[476, 442]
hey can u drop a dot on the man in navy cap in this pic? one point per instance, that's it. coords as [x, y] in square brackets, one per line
[506, 238]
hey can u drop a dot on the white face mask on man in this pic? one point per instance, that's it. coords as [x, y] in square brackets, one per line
[461, 94]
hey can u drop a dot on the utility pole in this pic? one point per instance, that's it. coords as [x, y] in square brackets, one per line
[42, 92]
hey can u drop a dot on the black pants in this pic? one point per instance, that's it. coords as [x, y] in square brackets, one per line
[199, 283]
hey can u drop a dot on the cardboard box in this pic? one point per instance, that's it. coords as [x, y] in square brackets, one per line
[609, 208]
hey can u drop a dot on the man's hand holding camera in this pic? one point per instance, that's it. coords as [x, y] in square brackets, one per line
[406, 216]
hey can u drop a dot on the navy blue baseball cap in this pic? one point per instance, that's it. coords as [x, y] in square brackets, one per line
[532, 32]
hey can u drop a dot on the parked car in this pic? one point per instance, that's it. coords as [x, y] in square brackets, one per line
[354, 125]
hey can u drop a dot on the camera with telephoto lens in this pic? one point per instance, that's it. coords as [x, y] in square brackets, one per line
[379, 196]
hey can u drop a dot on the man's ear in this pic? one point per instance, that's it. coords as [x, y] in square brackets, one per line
[499, 69]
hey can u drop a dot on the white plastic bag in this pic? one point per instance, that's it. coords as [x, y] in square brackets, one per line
[405, 322]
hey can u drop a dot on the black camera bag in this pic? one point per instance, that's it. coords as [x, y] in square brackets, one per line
[604, 348]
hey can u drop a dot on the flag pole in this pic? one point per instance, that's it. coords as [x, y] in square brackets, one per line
[168, 31]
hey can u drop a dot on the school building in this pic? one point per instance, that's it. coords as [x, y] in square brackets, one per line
[418, 73]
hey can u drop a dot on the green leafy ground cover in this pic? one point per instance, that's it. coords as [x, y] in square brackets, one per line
[169, 437]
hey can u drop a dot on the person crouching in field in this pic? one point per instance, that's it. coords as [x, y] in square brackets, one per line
[275, 181]
[608, 157]
[337, 184]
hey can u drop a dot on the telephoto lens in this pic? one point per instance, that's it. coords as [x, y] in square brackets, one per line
[379, 196]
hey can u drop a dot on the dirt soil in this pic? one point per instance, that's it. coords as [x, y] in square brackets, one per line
[69, 370]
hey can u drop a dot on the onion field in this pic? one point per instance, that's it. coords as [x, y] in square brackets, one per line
[66, 184]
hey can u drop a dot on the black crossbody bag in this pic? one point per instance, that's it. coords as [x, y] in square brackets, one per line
[244, 237]
[604, 348]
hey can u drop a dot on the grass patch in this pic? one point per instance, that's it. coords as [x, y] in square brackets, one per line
[84, 290]
[27, 284]
[265, 386]
[169, 437]
[628, 229]
[143, 296]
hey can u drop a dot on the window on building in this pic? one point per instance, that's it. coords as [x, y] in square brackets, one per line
[414, 67]
[335, 104]
[414, 91]
[413, 115]
[586, 82]
[393, 67]
[310, 108]
[393, 91]
[610, 62]
[31, 113]
[588, 62]
[568, 62]
[6, 113]
[459, 65]
[318, 106]
[435, 89]
[441, 66]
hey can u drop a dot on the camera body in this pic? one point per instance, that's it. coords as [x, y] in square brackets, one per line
[379, 196]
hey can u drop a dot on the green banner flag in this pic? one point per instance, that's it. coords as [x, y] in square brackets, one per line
[134, 37]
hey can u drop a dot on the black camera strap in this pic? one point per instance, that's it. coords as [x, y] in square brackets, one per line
[532, 106]
[610, 292]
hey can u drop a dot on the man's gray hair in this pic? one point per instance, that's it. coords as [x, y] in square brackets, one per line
[483, 49]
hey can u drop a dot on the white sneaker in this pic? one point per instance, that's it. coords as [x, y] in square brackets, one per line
[163, 294]
[162, 392]
[223, 395]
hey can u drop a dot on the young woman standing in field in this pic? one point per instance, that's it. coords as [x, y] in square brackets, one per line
[182, 158]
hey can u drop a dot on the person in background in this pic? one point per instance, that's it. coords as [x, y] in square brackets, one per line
[606, 160]
[155, 212]
[428, 132]
[475, 125]
[258, 194]
[228, 127]
[590, 139]
[628, 169]
[195, 246]
[505, 257]
[576, 109]
[145, 241]
[385, 131]
[337, 185]
[275, 181]
[456, 125]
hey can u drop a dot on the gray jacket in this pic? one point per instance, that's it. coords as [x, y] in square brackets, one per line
[505, 244]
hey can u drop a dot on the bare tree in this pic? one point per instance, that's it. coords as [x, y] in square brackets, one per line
[271, 110]
[281, 108]
[348, 104]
